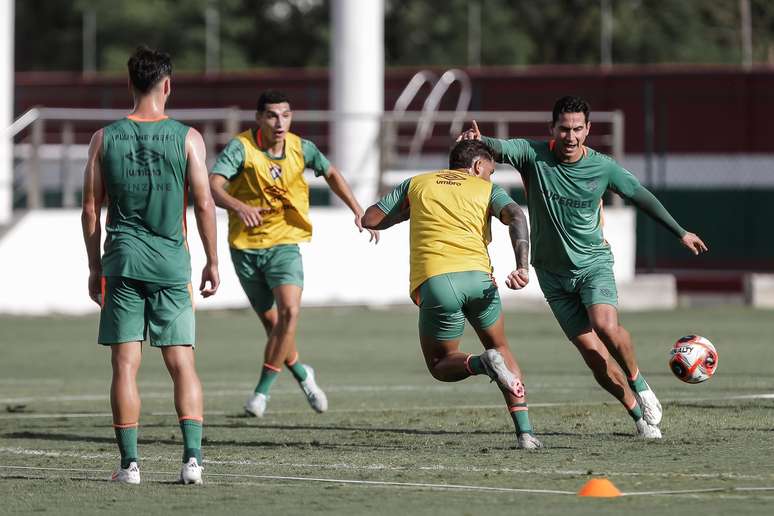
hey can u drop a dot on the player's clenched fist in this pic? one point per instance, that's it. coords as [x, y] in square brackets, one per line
[517, 279]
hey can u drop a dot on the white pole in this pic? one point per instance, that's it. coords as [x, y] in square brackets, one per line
[6, 109]
[357, 91]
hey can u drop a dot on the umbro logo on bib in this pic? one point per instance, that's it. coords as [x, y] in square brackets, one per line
[275, 171]
[143, 156]
[453, 176]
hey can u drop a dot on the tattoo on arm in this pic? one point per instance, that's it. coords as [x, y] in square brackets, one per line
[513, 216]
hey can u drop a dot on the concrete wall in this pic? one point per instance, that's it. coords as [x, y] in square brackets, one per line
[46, 269]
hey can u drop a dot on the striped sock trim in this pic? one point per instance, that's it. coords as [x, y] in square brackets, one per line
[272, 368]
[517, 408]
[632, 405]
[126, 425]
[467, 365]
[634, 375]
[191, 418]
[291, 363]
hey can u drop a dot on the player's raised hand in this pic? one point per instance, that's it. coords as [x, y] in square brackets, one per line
[471, 134]
[251, 216]
[694, 243]
[209, 275]
[517, 279]
[374, 234]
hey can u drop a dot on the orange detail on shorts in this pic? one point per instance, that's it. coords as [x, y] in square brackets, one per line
[293, 361]
[125, 425]
[517, 409]
[416, 297]
[272, 368]
[192, 418]
[103, 290]
[135, 118]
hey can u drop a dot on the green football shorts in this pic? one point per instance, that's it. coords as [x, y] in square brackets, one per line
[260, 270]
[569, 296]
[132, 310]
[446, 300]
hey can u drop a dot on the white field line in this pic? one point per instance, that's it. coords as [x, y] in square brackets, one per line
[420, 485]
[435, 408]
[382, 467]
[382, 483]
[349, 389]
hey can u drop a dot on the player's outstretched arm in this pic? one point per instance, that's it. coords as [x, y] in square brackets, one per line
[341, 188]
[91, 206]
[375, 218]
[647, 202]
[204, 209]
[513, 216]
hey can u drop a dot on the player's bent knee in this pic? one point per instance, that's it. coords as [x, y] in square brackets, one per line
[288, 314]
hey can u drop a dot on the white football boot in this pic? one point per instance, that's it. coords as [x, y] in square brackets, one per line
[646, 431]
[130, 475]
[527, 441]
[314, 395]
[191, 472]
[495, 368]
[651, 407]
[256, 404]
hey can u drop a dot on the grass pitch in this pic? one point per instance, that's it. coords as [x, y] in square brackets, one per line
[394, 439]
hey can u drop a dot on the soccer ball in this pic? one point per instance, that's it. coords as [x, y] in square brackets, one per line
[693, 359]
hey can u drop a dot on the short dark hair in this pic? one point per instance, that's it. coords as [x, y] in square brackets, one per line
[465, 152]
[270, 97]
[147, 67]
[570, 104]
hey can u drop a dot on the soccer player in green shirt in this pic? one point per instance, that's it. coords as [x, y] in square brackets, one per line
[564, 182]
[259, 179]
[143, 167]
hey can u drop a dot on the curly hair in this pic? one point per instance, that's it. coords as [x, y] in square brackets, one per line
[570, 104]
[147, 67]
[465, 152]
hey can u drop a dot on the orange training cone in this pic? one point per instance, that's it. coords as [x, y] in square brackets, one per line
[599, 488]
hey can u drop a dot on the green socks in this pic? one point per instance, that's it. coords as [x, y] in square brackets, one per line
[474, 365]
[638, 384]
[520, 416]
[268, 375]
[192, 439]
[297, 369]
[635, 412]
[126, 437]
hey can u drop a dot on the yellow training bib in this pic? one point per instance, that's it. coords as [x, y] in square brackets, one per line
[450, 227]
[275, 183]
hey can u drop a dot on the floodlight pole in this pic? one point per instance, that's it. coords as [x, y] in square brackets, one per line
[357, 91]
[6, 110]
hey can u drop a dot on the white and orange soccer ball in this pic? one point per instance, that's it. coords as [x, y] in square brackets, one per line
[693, 359]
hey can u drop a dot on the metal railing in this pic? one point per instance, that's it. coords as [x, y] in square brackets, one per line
[51, 136]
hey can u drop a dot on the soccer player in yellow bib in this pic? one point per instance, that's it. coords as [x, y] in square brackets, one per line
[451, 273]
[259, 179]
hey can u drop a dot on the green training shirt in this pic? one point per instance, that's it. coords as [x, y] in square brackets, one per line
[144, 172]
[232, 159]
[564, 202]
